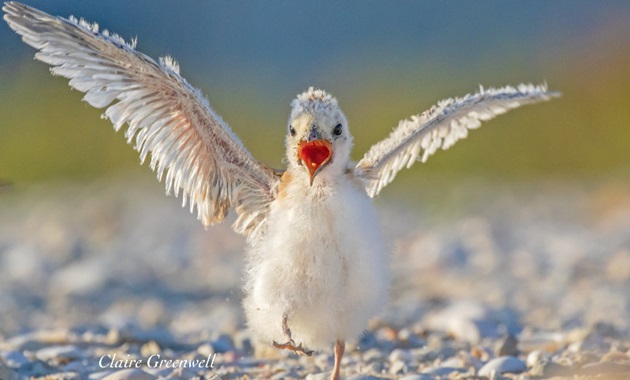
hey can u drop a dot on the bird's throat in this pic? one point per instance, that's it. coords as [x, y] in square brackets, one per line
[315, 155]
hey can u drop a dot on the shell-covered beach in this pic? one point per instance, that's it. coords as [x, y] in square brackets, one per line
[495, 282]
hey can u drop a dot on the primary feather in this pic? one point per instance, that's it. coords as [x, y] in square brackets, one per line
[190, 146]
[439, 127]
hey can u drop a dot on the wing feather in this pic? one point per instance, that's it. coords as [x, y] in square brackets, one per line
[189, 145]
[417, 138]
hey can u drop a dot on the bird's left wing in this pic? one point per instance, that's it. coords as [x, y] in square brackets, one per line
[188, 141]
[439, 127]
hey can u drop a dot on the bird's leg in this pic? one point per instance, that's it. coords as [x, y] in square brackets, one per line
[285, 327]
[340, 347]
[290, 344]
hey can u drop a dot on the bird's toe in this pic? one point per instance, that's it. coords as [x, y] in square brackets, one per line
[291, 346]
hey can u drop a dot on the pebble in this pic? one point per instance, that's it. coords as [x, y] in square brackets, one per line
[373, 354]
[398, 367]
[400, 355]
[130, 374]
[409, 340]
[223, 343]
[469, 321]
[243, 342]
[7, 373]
[205, 349]
[469, 360]
[58, 353]
[76, 366]
[504, 364]
[40, 368]
[536, 357]
[454, 362]
[150, 348]
[35, 340]
[442, 371]
[385, 338]
[482, 353]
[508, 346]
[113, 337]
[445, 352]
[417, 377]
[14, 359]
[373, 367]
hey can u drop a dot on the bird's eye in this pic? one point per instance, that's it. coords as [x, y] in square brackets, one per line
[291, 130]
[338, 129]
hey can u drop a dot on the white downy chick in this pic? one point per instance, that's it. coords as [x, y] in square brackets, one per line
[322, 265]
[316, 264]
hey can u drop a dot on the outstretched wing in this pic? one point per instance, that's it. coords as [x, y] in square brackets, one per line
[439, 127]
[189, 143]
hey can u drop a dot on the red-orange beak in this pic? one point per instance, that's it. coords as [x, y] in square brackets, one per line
[315, 155]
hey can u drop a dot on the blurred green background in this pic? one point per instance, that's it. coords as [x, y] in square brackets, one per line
[384, 61]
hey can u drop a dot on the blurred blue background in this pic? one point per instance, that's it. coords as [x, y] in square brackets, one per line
[384, 61]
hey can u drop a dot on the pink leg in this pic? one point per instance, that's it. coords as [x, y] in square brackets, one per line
[340, 347]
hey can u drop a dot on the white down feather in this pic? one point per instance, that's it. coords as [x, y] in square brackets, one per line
[322, 261]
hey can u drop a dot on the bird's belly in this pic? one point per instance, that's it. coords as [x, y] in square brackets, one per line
[323, 266]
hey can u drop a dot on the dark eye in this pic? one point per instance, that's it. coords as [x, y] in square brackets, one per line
[291, 130]
[338, 129]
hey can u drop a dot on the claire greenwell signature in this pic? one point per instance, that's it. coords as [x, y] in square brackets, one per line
[156, 361]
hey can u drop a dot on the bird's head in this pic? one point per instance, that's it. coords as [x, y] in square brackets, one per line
[318, 138]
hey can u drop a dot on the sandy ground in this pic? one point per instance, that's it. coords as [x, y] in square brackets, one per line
[535, 283]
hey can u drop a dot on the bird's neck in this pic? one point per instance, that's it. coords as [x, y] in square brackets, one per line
[296, 182]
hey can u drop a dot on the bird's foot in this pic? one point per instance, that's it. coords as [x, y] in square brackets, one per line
[290, 345]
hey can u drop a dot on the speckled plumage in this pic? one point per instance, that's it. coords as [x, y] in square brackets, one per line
[317, 266]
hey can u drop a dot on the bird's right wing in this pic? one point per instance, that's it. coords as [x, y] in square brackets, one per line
[168, 118]
[439, 127]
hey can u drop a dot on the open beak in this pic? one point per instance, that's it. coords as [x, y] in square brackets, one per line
[315, 154]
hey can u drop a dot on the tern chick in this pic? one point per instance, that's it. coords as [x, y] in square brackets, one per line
[317, 266]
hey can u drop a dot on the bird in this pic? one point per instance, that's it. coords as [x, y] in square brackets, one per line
[317, 266]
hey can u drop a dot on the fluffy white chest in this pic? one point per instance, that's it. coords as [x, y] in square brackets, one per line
[322, 263]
